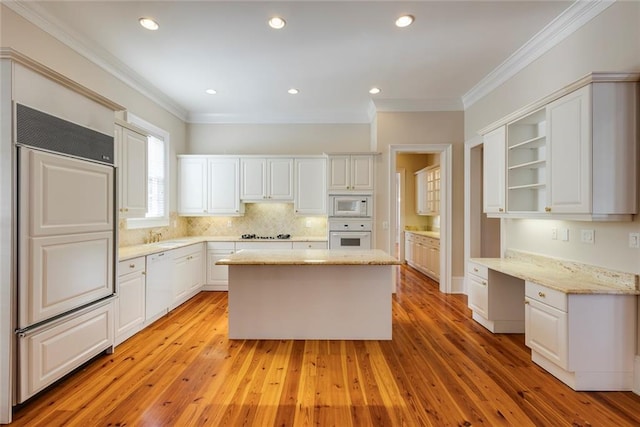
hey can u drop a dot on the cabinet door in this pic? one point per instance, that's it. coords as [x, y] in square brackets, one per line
[478, 296]
[339, 172]
[133, 174]
[130, 303]
[408, 248]
[421, 192]
[311, 187]
[493, 170]
[224, 186]
[434, 261]
[192, 185]
[546, 331]
[217, 274]
[362, 172]
[569, 162]
[181, 278]
[196, 270]
[280, 179]
[254, 183]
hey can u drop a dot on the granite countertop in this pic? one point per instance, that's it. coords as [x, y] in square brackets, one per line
[134, 251]
[564, 276]
[309, 257]
[434, 234]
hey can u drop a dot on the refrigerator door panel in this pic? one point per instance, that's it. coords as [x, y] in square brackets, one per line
[62, 273]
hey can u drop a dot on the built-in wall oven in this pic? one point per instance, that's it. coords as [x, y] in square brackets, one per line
[349, 233]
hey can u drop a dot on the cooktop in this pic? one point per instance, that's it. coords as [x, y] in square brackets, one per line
[254, 236]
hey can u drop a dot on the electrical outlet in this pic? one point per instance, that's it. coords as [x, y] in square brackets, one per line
[634, 240]
[564, 234]
[554, 234]
[229, 223]
[587, 236]
[307, 223]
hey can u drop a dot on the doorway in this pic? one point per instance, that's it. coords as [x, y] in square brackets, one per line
[444, 151]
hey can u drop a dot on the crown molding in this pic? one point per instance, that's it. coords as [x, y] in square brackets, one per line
[271, 118]
[575, 16]
[100, 57]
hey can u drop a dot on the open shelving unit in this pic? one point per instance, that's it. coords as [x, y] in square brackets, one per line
[527, 163]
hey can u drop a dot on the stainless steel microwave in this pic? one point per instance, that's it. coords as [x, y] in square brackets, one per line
[358, 206]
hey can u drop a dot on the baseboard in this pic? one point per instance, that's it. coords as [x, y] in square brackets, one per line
[636, 375]
[224, 287]
[458, 285]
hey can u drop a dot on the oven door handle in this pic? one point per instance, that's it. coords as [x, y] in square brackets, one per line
[349, 233]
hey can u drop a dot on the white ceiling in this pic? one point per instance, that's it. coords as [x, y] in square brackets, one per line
[333, 52]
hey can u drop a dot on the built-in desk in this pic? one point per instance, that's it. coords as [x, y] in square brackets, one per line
[579, 320]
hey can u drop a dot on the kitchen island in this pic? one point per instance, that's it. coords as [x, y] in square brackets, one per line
[310, 294]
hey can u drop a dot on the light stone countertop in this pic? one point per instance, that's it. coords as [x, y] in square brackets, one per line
[134, 251]
[564, 276]
[433, 234]
[309, 257]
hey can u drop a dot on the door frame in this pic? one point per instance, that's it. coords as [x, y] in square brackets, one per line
[446, 157]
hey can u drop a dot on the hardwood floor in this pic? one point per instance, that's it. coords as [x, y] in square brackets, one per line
[441, 368]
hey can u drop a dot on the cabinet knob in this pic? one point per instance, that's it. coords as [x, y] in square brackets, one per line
[144, 273]
[475, 269]
[132, 266]
[526, 301]
[541, 294]
[500, 210]
[547, 209]
[126, 209]
[204, 210]
[484, 283]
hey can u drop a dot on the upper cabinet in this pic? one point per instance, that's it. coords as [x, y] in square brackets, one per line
[131, 149]
[209, 185]
[574, 157]
[266, 179]
[428, 191]
[350, 172]
[310, 186]
[493, 169]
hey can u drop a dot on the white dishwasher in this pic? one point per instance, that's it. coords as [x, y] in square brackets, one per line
[158, 292]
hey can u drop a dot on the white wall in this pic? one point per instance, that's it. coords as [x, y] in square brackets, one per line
[21, 35]
[276, 138]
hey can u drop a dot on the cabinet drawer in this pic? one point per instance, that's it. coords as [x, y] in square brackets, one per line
[186, 250]
[228, 246]
[546, 295]
[309, 245]
[131, 266]
[478, 270]
[479, 296]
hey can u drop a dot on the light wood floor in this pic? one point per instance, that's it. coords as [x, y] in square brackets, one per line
[441, 368]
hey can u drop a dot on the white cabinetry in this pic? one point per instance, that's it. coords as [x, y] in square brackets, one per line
[428, 191]
[131, 160]
[423, 254]
[585, 340]
[218, 275]
[188, 273]
[310, 186]
[209, 185]
[130, 302]
[495, 299]
[309, 245]
[572, 158]
[493, 170]
[350, 172]
[266, 179]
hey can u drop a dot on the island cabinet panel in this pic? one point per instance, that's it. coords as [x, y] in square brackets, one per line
[585, 340]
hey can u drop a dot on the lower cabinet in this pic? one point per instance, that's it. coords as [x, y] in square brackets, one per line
[218, 275]
[584, 340]
[495, 299]
[188, 273]
[423, 254]
[130, 302]
[309, 245]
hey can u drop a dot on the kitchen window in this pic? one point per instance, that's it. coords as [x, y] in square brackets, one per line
[157, 176]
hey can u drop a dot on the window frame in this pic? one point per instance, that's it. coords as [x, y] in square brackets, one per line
[136, 223]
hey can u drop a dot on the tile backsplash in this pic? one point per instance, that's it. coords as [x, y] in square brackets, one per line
[265, 219]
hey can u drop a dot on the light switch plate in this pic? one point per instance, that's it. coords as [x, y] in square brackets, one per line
[564, 234]
[634, 240]
[587, 236]
[554, 234]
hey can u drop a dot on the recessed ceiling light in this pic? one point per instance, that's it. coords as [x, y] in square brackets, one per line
[404, 21]
[374, 90]
[149, 24]
[211, 91]
[277, 22]
[293, 91]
